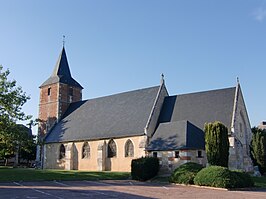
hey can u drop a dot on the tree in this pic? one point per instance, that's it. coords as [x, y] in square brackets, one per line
[26, 144]
[7, 145]
[258, 148]
[12, 98]
[217, 144]
[19, 141]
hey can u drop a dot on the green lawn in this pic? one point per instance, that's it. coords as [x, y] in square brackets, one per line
[8, 174]
[19, 174]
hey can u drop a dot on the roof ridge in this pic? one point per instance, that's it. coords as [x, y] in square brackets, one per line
[199, 92]
[142, 89]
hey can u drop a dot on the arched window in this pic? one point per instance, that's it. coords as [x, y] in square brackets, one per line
[86, 150]
[111, 149]
[62, 152]
[129, 149]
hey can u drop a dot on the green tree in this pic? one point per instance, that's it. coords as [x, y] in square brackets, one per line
[217, 144]
[258, 148]
[7, 144]
[19, 140]
[26, 145]
[12, 98]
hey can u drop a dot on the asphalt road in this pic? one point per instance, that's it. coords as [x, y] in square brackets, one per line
[115, 189]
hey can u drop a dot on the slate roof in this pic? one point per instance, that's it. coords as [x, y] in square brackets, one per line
[182, 118]
[120, 115]
[200, 107]
[175, 136]
[61, 73]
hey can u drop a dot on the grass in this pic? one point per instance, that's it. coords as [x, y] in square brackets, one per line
[260, 181]
[8, 174]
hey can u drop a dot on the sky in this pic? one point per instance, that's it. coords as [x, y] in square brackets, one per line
[120, 45]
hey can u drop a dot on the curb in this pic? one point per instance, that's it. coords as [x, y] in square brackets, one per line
[203, 187]
[222, 189]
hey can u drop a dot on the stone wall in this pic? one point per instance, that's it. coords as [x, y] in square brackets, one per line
[169, 160]
[97, 160]
[240, 139]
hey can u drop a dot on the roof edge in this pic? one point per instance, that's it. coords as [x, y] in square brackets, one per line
[162, 86]
[94, 139]
[199, 92]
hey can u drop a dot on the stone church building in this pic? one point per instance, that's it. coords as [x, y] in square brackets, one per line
[106, 133]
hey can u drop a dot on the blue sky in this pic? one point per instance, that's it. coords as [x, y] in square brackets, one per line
[115, 46]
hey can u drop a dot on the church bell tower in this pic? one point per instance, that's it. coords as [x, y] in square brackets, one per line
[56, 93]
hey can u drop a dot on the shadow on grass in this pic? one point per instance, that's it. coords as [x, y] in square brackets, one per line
[260, 182]
[19, 174]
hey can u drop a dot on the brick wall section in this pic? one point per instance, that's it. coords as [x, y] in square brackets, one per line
[53, 106]
[65, 99]
[48, 107]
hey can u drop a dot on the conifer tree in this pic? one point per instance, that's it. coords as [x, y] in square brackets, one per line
[217, 144]
[258, 148]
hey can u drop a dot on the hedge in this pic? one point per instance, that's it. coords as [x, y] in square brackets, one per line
[186, 173]
[144, 168]
[217, 176]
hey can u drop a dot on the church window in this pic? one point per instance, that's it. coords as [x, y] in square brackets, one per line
[85, 150]
[129, 149]
[62, 152]
[111, 149]
[49, 91]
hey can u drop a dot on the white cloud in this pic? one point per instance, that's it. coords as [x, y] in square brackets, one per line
[260, 14]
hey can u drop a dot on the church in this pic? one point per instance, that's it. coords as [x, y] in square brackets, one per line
[106, 133]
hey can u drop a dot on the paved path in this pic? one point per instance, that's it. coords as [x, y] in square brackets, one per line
[114, 189]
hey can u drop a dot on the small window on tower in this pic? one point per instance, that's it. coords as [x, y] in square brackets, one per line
[49, 91]
[70, 91]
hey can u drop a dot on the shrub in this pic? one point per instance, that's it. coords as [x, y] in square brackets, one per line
[185, 173]
[258, 148]
[144, 168]
[217, 176]
[245, 179]
[216, 143]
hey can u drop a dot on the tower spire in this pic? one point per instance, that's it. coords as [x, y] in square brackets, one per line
[61, 72]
